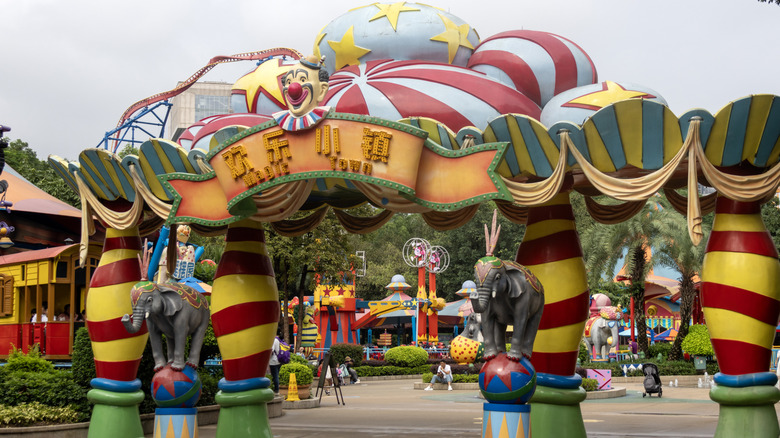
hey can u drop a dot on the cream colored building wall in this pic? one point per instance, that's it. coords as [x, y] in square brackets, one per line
[183, 110]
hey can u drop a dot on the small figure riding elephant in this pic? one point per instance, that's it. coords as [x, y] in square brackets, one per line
[175, 309]
[507, 294]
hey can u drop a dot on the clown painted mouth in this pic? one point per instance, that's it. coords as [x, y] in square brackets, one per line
[297, 94]
[301, 98]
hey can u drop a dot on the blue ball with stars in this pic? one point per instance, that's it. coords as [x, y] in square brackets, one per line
[176, 389]
[505, 381]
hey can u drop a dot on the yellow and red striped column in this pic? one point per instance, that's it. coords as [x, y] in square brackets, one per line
[245, 314]
[740, 296]
[116, 390]
[422, 311]
[433, 314]
[551, 250]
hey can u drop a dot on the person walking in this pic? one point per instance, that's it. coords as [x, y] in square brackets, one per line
[274, 364]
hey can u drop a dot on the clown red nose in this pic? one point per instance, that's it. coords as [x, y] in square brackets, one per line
[294, 90]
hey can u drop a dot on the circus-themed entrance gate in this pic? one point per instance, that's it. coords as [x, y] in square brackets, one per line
[265, 168]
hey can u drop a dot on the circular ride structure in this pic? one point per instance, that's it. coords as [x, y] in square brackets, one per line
[448, 122]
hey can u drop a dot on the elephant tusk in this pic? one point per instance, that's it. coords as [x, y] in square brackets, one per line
[494, 293]
[146, 316]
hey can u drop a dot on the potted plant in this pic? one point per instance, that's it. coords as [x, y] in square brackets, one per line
[697, 343]
[303, 378]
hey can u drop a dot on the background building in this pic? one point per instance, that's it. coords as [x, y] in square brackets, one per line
[202, 100]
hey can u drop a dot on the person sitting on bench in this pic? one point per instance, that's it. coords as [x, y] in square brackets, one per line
[443, 374]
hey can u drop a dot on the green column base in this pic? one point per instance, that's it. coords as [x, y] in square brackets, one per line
[115, 414]
[747, 412]
[556, 413]
[244, 414]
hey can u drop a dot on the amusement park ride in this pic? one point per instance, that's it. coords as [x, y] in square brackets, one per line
[405, 107]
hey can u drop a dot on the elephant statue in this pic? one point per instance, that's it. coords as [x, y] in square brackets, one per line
[177, 311]
[599, 328]
[507, 293]
[474, 328]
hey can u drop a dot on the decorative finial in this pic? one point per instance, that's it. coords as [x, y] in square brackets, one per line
[143, 261]
[491, 238]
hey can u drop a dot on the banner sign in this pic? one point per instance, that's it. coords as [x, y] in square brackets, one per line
[353, 147]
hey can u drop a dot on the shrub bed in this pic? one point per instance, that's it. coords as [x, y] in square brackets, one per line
[83, 371]
[458, 369]
[390, 370]
[406, 356]
[35, 413]
[456, 378]
[589, 384]
[28, 378]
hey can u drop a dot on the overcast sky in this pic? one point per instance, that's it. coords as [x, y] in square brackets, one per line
[69, 69]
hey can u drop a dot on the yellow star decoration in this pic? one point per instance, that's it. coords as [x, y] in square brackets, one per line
[611, 93]
[266, 76]
[391, 12]
[347, 53]
[317, 42]
[455, 37]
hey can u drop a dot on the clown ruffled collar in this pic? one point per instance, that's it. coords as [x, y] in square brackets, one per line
[289, 122]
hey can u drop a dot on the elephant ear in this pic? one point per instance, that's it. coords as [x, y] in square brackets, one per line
[172, 299]
[519, 273]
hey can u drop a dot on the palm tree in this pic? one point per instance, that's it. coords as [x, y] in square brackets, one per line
[605, 245]
[677, 251]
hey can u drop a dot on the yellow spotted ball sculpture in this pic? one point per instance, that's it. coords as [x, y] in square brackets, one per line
[468, 347]
[465, 350]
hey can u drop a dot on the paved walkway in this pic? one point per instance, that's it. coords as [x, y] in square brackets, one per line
[392, 408]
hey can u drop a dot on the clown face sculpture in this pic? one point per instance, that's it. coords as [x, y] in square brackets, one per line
[305, 86]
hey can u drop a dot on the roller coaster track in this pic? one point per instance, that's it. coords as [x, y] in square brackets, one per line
[213, 62]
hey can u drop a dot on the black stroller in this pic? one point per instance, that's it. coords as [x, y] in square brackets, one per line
[652, 380]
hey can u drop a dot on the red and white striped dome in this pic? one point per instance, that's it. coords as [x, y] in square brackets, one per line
[538, 64]
[455, 96]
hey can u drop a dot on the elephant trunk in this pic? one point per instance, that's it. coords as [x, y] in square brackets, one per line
[138, 319]
[480, 302]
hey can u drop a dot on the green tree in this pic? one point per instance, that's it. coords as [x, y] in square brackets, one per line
[25, 161]
[770, 213]
[677, 251]
[213, 246]
[605, 245]
[129, 149]
[465, 245]
[384, 256]
[324, 253]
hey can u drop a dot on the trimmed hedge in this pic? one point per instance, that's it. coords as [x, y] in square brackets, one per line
[456, 378]
[294, 358]
[390, 370]
[28, 378]
[355, 352]
[406, 356]
[83, 361]
[29, 414]
[56, 389]
[458, 369]
[303, 374]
